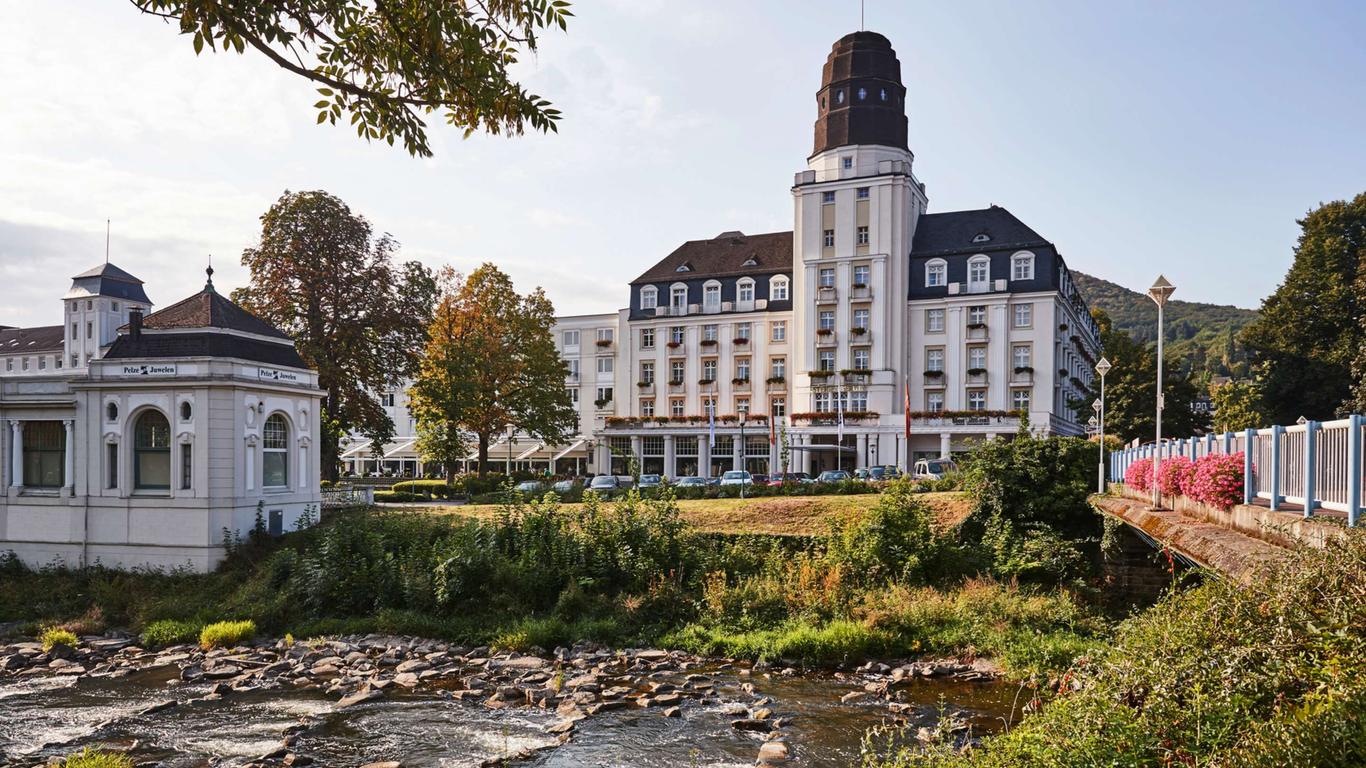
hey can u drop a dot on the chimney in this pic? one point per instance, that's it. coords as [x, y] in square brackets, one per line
[135, 324]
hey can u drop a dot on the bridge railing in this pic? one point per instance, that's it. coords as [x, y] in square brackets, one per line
[1317, 465]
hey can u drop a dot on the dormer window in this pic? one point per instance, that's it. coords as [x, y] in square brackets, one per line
[847, 162]
[862, 94]
[981, 237]
[684, 267]
[839, 97]
[649, 297]
[883, 94]
[750, 262]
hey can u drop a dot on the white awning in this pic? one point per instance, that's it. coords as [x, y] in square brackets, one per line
[406, 447]
[572, 447]
[357, 451]
[528, 452]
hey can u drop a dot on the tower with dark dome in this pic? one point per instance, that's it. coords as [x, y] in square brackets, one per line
[861, 100]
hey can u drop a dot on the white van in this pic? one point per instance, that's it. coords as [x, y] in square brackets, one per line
[934, 469]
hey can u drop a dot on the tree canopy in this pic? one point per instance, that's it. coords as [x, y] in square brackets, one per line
[490, 366]
[356, 317]
[388, 64]
[1310, 342]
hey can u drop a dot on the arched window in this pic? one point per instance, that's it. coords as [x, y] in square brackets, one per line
[111, 411]
[744, 290]
[777, 288]
[1022, 266]
[186, 411]
[862, 94]
[678, 298]
[152, 452]
[936, 273]
[711, 296]
[649, 297]
[275, 452]
[979, 273]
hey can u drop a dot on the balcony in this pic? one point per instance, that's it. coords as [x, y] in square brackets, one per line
[676, 349]
[856, 376]
[826, 294]
[777, 384]
[572, 377]
[934, 378]
[739, 384]
[860, 291]
[977, 377]
[677, 310]
[604, 345]
[1022, 375]
[821, 378]
[677, 387]
[860, 336]
[978, 332]
[645, 387]
[825, 337]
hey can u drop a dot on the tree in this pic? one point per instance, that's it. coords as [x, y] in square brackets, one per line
[356, 318]
[1237, 406]
[1312, 329]
[1131, 389]
[387, 64]
[491, 366]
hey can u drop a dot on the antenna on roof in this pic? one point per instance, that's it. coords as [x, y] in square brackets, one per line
[106, 241]
[208, 285]
[861, 4]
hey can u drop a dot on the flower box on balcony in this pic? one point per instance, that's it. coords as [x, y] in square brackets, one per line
[706, 382]
[857, 331]
[740, 381]
[740, 341]
[707, 342]
[821, 374]
[859, 286]
[675, 382]
[825, 331]
[674, 344]
[1024, 369]
[977, 371]
[776, 380]
[976, 326]
[604, 342]
[601, 403]
[934, 374]
[645, 384]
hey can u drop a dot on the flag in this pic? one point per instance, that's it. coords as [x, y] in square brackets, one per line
[772, 438]
[839, 406]
[906, 404]
[711, 425]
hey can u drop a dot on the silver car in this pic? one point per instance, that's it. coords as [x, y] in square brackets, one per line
[604, 484]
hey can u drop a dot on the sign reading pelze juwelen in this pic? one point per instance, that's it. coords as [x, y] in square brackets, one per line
[164, 369]
[275, 374]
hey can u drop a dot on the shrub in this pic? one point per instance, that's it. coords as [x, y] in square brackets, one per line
[891, 542]
[170, 632]
[53, 636]
[92, 758]
[1217, 480]
[395, 497]
[1174, 474]
[226, 634]
[1139, 475]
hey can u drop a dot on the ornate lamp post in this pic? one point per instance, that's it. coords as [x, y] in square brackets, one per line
[1160, 291]
[1102, 368]
[744, 454]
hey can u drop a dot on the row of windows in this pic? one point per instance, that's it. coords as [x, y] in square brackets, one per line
[571, 337]
[1022, 316]
[1021, 355]
[861, 94]
[976, 400]
[860, 236]
[24, 362]
[678, 406]
[979, 270]
[860, 193]
[777, 368]
[860, 357]
[861, 274]
[778, 290]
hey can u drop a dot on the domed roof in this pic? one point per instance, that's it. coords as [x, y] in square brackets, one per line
[861, 100]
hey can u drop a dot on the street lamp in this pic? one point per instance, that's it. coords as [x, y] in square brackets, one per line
[744, 455]
[1159, 293]
[1102, 368]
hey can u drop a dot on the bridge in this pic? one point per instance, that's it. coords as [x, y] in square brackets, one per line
[1302, 485]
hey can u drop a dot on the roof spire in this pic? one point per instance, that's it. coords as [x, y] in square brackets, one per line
[106, 240]
[208, 285]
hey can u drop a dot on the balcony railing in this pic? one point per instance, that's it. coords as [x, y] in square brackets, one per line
[1022, 375]
[645, 387]
[860, 291]
[677, 387]
[825, 337]
[826, 294]
[860, 336]
[777, 384]
[977, 377]
[934, 378]
[739, 385]
[978, 332]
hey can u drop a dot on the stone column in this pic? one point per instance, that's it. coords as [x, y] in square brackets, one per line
[670, 460]
[703, 457]
[804, 459]
[737, 453]
[861, 446]
[69, 468]
[945, 445]
[16, 472]
[637, 448]
[249, 451]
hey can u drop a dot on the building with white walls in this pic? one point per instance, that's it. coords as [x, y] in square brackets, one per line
[149, 440]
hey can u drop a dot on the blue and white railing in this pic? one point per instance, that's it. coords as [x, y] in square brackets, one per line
[1317, 465]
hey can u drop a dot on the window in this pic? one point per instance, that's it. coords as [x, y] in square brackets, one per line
[1022, 266]
[42, 363]
[1024, 315]
[709, 332]
[573, 366]
[44, 454]
[847, 161]
[934, 402]
[677, 406]
[826, 277]
[979, 271]
[9, 363]
[647, 408]
[57, 361]
[649, 297]
[152, 451]
[977, 315]
[778, 330]
[571, 338]
[977, 400]
[90, 330]
[858, 401]
[186, 466]
[828, 238]
[862, 273]
[186, 411]
[777, 367]
[744, 290]
[861, 359]
[742, 368]
[742, 330]
[605, 364]
[862, 235]
[275, 452]
[677, 369]
[820, 402]
[981, 237]
[74, 333]
[777, 289]
[26, 363]
[861, 193]
[647, 372]
[604, 397]
[825, 360]
[89, 305]
[777, 407]
[882, 94]
[676, 334]
[861, 316]
[605, 334]
[111, 465]
[709, 408]
[862, 94]
[75, 361]
[1020, 353]
[711, 296]
[977, 358]
[839, 97]
[934, 359]
[573, 396]
[827, 197]
[114, 305]
[1019, 399]
[647, 338]
[936, 273]
[742, 405]
[934, 320]
[74, 308]
[678, 298]
[709, 370]
[826, 320]
[111, 411]
[386, 400]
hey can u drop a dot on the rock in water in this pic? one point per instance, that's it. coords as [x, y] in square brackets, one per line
[359, 697]
[772, 753]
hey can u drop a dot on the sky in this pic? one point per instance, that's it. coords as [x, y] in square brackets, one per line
[1139, 137]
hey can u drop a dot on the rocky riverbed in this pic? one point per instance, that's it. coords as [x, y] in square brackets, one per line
[361, 697]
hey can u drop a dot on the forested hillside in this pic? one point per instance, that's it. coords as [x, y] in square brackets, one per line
[1204, 336]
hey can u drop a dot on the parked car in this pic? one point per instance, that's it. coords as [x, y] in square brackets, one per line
[649, 481]
[605, 484]
[789, 477]
[530, 487]
[563, 486]
[691, 482]
[713, 481]
[759, 479]
[832, 476]
[737, 477]
[934, 469]
[877, 474]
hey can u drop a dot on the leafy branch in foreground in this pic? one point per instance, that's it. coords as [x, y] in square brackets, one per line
[385, 63]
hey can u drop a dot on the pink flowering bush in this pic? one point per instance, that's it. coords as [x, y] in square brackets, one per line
[1139, 475]
[1217, 480]
[1174, 475]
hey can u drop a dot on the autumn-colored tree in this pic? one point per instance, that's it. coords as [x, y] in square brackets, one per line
[490, 366]
[387, 64]
[356, 317]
